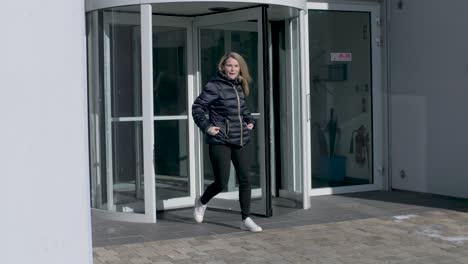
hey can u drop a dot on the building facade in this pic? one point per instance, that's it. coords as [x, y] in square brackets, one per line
[348, 96]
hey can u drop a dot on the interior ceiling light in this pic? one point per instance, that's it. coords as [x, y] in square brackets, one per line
[218, 9]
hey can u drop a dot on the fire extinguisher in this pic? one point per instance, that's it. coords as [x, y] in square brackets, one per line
[360, 137]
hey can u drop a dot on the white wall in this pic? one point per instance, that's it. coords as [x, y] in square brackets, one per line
[429, 95]
[45, 211]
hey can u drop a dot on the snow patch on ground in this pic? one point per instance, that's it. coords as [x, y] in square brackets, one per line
[434, 233]
[400, 218]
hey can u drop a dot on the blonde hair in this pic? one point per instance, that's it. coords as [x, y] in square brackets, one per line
[244, 76]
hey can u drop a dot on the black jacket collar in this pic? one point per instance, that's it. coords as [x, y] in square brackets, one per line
[220, 75]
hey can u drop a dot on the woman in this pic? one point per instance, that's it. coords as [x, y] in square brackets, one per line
[227, 128]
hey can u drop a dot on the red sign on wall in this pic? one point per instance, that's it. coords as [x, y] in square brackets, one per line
[341, 56]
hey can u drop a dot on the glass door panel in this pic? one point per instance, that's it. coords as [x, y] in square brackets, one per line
[127, 165]
[244, 37]
[139, 125]
[121, 109]
[340, 58]
[171, 159]
[286, 86]
[170, 97]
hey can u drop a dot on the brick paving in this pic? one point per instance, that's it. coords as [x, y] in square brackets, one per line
[438, 236]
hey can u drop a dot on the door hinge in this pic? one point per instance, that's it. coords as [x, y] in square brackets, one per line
[381, 171]
[379, 41]
[378, 21]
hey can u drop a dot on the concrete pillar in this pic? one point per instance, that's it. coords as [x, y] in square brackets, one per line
[44, 171]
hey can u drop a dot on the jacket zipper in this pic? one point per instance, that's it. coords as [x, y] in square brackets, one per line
[240, 119]
[227, 128]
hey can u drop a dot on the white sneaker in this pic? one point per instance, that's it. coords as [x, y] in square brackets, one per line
[198, 210]
[249, 225]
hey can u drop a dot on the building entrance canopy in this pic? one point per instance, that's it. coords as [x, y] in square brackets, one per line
[196, 7]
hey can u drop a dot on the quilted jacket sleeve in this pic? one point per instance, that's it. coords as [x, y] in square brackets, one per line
[201, 105]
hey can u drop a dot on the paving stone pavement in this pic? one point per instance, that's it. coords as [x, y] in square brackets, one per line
[432, 237]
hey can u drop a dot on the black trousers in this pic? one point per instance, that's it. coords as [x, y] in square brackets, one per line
[221, 157]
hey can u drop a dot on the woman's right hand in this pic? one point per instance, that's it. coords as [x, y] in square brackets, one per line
[213, 130]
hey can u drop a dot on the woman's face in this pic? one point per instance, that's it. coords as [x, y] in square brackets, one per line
[231, 68]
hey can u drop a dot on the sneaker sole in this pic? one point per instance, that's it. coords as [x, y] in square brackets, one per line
[253, 231]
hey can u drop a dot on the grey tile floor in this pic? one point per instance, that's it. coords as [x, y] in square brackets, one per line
[430, 237]
[178, 224]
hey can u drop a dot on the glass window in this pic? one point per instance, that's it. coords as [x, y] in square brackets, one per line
[341, 98]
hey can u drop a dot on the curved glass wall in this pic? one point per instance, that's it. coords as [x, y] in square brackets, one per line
[116, 109]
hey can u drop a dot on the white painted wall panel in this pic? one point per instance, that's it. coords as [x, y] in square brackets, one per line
[428, 58]
[409, 137]
[43, 137]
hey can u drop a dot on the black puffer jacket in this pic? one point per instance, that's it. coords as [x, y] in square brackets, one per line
[224, 101]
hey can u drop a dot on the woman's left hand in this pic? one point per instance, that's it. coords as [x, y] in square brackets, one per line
[250, 126]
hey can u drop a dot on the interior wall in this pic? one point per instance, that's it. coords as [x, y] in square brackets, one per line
[428, 66]
[43, 137]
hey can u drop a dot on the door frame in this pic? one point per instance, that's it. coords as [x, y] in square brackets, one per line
[145, 22]
[147, 108]
[182, 22]
[378, 98]
[243, 15]
[287, 67]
